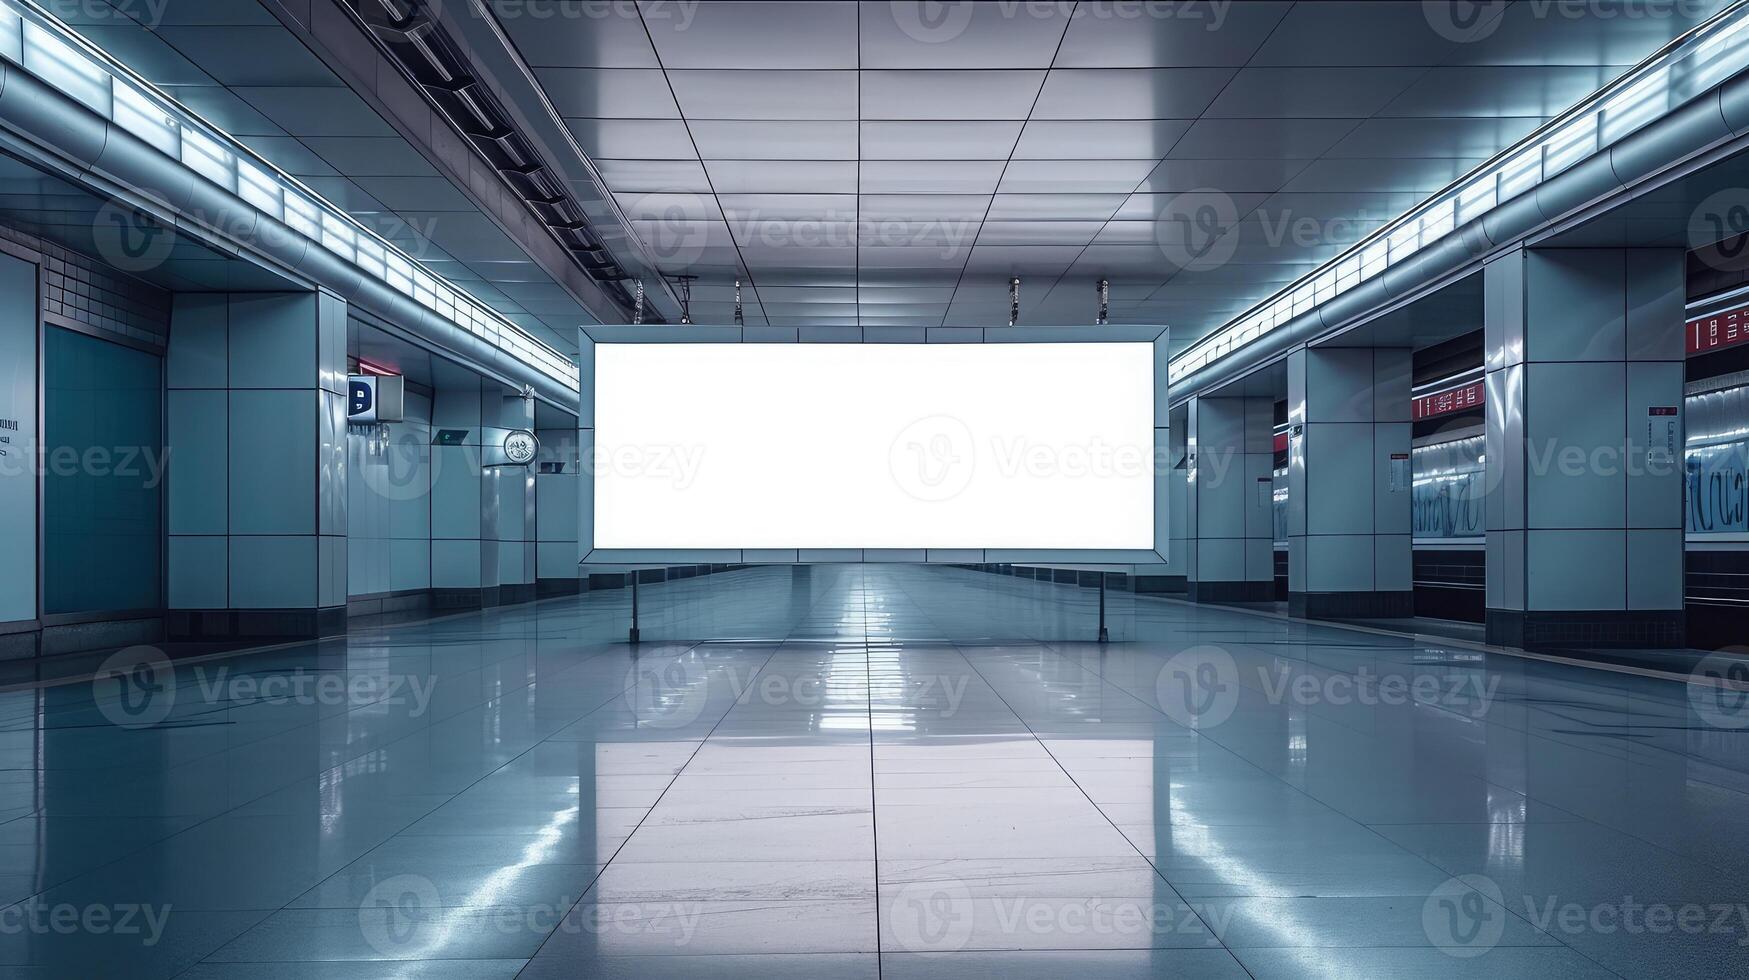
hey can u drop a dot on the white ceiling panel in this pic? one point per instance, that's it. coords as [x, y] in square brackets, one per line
[649, 139]
[621, 93]
[765, 94]
[785, 139]
[1054, 207]
[956, 177]
[567, 33]
[895, 163]
[939, 139]
[820, 207]
[1123, 34]
[931, 34]
[949, 94]
[1129, 93]
[736, 34]
[1099, 139]
[782, 176]
[1074, 176]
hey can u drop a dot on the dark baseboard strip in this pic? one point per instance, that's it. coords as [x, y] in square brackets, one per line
[1351, 605]
[1598, 629]
[1259, 591]
[228, 625]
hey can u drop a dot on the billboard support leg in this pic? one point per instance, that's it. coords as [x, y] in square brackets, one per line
[1104, 637]
[634, 632]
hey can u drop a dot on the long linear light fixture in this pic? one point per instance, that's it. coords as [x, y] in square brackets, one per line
[1683, 69]
[40, 44]
[408, 33]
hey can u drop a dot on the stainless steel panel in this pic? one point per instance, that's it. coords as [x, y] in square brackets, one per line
[1074, 176]
[1099, 139]
[765, 94]
[949, 94]
[958, 177]
[744, 34]
[559, 33]
[1084, 207]
[648, 139]
[929, 34]
[724, 139]
[1129, 93]
[1117, 33]
[939, 140]
[772, 176]
[1317, 93]
[625, 93]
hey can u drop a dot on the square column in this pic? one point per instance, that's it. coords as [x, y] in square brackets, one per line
[1584, 445]
[256, 476]
[482, 510]
[1349, 483]
[1228, 488]
[1173, 578]
[556, 486]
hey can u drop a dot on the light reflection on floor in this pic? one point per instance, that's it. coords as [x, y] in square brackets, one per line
[871, 771]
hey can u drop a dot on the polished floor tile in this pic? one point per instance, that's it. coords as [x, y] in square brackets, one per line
[870, 772]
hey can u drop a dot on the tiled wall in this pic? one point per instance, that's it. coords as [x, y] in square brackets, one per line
[80, 292]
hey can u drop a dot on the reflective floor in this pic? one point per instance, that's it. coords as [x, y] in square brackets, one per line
[874, 771]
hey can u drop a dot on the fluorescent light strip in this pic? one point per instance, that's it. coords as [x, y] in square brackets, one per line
[1705, 57]
[34, 40]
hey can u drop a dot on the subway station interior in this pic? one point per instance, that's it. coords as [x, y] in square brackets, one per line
[903, 490]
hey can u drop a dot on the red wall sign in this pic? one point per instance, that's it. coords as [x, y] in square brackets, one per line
[1726, 328]
[1461, 398]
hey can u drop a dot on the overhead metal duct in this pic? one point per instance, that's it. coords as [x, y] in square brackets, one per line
[410, 37]
[1716, 117]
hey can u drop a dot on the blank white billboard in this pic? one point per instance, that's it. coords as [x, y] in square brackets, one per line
[870, 446]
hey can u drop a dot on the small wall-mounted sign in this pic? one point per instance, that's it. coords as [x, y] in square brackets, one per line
[520, 447]
[1662, 437]
[375, 397]
[1401, 476]
[1460, 398]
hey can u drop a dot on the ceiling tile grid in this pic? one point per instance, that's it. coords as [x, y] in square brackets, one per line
[882, 163]
[896, 163]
